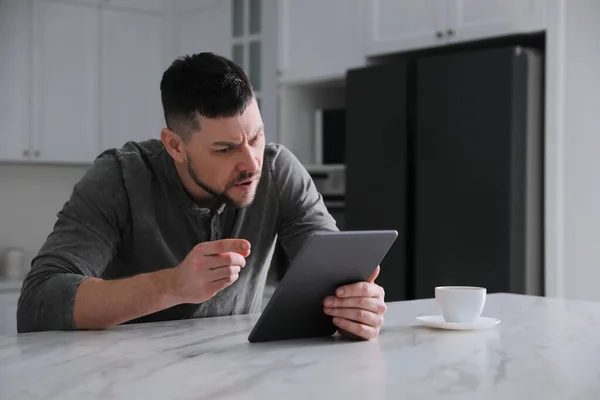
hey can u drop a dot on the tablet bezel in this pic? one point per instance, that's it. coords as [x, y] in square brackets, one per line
[297, 292]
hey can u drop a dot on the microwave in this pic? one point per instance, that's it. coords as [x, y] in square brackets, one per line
[330, 136]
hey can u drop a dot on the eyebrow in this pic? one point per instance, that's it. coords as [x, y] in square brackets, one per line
[231, 144]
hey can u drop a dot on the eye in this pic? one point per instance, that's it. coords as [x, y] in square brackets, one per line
[223, 151]
[255, 138]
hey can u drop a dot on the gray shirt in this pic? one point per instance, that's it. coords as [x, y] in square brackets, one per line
[130, 214]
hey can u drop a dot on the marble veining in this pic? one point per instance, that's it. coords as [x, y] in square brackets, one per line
[544, 349]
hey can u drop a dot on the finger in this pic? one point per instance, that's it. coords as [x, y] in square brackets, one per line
[223, 272]
[244, 253]
[223, 246]
[360, 289]
[357, 315]
[221, 284]
[223, 260]
[360, 330]
[373, 304]
[375, 275]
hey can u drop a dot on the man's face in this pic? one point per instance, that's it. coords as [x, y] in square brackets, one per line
[225, 157]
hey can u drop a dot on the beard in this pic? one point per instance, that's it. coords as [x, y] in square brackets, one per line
[221, 197]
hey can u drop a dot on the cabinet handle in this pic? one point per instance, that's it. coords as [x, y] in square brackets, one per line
[439, 34]
[25, 153]
[36, 153]
[450, 32]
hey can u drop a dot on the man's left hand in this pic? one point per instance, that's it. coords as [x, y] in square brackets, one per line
[358, 309]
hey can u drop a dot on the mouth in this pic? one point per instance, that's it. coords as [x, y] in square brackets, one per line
[246, 183]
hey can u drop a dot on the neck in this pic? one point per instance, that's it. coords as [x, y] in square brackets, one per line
[195, 192]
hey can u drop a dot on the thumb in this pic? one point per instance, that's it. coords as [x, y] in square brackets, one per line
[375, 275]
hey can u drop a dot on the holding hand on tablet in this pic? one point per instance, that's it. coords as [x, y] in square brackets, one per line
[358, 308]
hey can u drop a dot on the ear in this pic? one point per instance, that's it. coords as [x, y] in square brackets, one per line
[174, 145]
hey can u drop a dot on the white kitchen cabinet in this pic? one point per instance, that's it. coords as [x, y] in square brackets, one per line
[65, 82]
[201, 26]
[320, 40]
[14, 80]
[132, 64]
[141, 5]
[478, 19]
[8, 311]
[78, 76]
[395, 25]
[254, 48]
[88, 2]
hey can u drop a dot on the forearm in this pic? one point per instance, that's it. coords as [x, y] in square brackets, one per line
[104, 303]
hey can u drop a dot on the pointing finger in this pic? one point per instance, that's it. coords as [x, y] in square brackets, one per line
[224, 246]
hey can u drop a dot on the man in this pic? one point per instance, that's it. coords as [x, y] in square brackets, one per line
[185, 227]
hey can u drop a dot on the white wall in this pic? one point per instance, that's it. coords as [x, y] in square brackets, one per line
[30, 197]
[582, 150]
[573, 149]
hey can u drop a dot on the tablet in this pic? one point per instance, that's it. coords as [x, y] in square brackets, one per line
[326, 261]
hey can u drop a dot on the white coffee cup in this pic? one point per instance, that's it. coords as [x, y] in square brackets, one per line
[462, 304]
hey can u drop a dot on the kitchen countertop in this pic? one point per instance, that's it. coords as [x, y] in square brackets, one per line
[543, 349]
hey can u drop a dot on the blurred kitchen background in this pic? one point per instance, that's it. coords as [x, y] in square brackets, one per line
[470, 126]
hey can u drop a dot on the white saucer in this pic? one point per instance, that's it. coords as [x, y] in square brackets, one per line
[437, 321]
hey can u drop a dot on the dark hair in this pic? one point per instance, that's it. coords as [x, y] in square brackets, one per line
[205, 84]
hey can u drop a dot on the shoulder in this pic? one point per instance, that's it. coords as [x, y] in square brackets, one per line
[280, 159]
[113, 166]
[135, 153]
[288, 174]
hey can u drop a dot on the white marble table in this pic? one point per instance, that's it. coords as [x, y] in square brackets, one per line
[543, 349]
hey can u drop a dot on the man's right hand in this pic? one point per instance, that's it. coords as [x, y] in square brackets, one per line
[208, 268]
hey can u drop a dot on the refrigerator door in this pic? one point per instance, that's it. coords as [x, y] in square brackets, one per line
[478, 202]
[376, 163]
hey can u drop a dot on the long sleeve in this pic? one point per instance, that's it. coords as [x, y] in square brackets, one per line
[82, 243]
[301, 207]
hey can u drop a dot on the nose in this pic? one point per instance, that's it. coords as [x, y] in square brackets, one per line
[249, 161]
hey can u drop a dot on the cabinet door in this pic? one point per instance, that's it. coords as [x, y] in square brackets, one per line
[14, 80]
[8, 312]
[254, 41]
[87, 2]
[396, 26]
[202, 26]
[480, 19]
[320, 39]
[65, 81]
[132, 67]
[376, 163]
[146, 5]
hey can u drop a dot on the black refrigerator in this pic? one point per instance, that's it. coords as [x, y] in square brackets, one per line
[448, 150]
